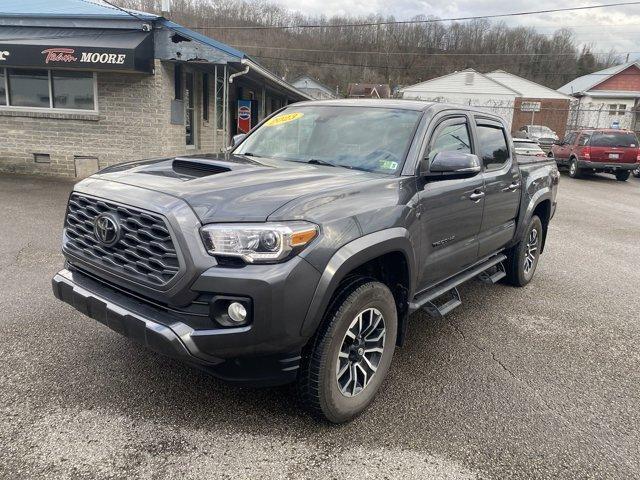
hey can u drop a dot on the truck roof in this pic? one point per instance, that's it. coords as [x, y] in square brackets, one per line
[399, 103]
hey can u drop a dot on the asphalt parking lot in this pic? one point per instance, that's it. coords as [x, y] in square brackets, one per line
[540, 382]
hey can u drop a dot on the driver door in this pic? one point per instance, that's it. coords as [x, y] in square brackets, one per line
[450, 214]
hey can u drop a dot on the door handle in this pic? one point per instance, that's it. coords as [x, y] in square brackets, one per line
[476, 196]
[512, 188]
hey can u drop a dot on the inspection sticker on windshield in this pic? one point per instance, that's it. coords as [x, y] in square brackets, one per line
[286, 118]
[388, 165]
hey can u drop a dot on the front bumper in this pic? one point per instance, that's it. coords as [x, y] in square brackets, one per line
[265, 352]
[611, 166]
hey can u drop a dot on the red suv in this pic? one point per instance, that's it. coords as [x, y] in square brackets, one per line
[598, 151]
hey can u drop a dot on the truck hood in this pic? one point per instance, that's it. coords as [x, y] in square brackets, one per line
[228, 188]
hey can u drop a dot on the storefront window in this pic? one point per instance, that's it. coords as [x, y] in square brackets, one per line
[3, 89]
[73, 90]
[50, 89]
[29, 88]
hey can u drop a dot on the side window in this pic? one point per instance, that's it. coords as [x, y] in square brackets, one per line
[584, 140]
[452, 136]
[571, 138]
[494, 151]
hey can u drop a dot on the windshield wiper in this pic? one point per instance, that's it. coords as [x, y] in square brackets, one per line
[315, 161]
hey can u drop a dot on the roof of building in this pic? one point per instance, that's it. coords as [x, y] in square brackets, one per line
[68, 9]
[367, 89]
[526, 88]
[300, 83]
[467, 81]
[586, 82]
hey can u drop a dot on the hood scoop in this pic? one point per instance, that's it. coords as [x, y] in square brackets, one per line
[196, 168]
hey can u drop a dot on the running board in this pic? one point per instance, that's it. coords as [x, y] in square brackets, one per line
[439, 311]
[492, 276]
[424, 298]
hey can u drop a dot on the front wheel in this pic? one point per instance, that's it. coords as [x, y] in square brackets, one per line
[574, 170]
[523, 257]
[622, 175]
[350, 355]
[636, 172]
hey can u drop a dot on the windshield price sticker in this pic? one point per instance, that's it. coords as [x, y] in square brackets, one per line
[388, 165]
[280, 119]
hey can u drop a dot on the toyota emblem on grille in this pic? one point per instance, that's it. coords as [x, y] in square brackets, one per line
[106, 229]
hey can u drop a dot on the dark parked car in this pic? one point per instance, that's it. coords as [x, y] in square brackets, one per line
[598, 151]
[299, 255]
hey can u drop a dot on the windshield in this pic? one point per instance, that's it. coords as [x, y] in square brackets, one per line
[614, 139]
[362, 138]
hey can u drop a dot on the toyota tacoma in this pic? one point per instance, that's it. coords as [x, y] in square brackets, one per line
[299, 254]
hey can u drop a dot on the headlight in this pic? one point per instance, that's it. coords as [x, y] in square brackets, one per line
[258, 243]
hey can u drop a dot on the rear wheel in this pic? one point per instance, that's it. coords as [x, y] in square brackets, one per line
[622, 175]
[574, 170]
[522, 259]
[349, 357]
[636, 172]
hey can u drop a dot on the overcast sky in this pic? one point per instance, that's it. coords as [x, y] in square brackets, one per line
[606, 28]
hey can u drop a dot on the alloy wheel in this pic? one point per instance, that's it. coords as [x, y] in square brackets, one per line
[531, 251]
[361, 351]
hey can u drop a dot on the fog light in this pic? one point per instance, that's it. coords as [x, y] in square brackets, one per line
[237, 312]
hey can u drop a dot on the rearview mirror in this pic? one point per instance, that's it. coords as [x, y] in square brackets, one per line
[237, 139]
[453, 165]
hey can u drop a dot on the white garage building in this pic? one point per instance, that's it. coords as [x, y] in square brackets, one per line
[466, 87]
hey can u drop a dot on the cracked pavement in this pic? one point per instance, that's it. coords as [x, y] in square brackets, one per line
[540, 382]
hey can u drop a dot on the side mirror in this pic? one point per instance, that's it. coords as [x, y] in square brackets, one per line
[452, 165]
[236, 139]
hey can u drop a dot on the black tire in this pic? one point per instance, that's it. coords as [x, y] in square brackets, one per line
[517, 273]
[574, 169]
[623, 175]
[318, 384]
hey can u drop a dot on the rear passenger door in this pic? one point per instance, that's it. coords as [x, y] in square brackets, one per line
[502, 186]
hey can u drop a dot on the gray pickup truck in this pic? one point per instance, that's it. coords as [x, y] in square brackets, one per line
[298, 255]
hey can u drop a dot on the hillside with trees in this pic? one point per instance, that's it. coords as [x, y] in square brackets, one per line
[339, 50]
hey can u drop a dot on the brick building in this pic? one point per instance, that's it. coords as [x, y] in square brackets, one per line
[499, 92]
[84, 85]
[607, 98]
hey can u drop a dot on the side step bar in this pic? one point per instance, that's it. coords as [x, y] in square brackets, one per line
[425, 299]
[493, 275]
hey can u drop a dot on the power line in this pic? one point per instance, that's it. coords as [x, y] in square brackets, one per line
[427, 67]
[415, 22]
[438, 54]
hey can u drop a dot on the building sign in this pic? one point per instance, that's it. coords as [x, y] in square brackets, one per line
[244, 116]
[68, 55]
[530, 106]
[125, 52]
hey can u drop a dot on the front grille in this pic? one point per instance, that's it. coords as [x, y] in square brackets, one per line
[144, 252]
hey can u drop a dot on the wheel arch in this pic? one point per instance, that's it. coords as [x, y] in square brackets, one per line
[386, 256]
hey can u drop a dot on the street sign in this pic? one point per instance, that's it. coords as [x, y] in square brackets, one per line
[530, 106]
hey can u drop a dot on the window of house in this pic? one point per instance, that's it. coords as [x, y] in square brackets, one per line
[205, 97]
[494, 151]
[622, 109]
[49, 89]
[613, 109]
